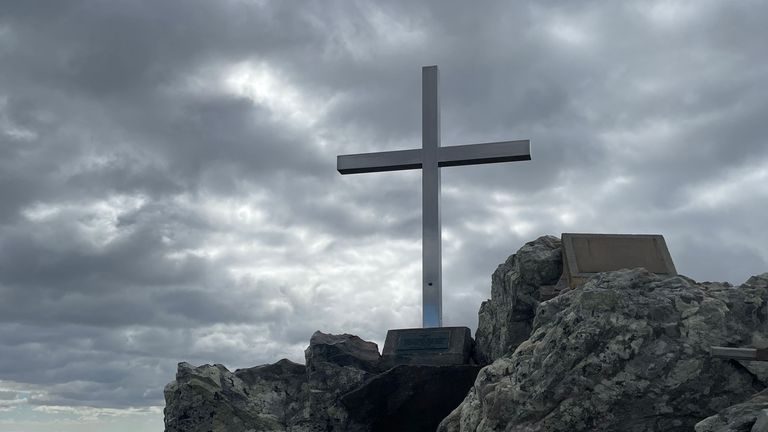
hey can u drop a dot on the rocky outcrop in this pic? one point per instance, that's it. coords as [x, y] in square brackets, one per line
[336, 364]
[211, 398]
[506, 319]
[749, 416]
[284, 396]
[341, 389]
[628, 351]
[342, 350]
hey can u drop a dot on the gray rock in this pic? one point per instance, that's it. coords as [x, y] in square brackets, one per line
[506, 319]
[749, 416]
[288, 397]
[284, 396]
[211, 398]
[628, 351]
[342, 350]
[336, 364]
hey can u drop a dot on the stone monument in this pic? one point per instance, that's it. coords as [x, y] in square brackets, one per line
[430, 158]
[585, 255]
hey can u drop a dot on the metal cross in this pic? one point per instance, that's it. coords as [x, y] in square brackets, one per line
[429, 158]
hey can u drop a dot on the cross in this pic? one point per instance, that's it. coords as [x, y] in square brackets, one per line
[429, 158]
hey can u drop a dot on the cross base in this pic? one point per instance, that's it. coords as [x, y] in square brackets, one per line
[440, 346]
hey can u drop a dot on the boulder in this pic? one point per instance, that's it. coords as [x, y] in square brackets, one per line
[336, 364]
[628, 351]
[342, 350]
[749, 416]
[506, 319]
[213, 399]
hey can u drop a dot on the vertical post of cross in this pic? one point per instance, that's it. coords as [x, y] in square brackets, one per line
[430, 158]
[432, 280]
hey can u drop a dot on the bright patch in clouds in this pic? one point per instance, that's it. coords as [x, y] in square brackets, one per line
[573, 30]
[81, 419]
[396, 32]
[748, 182]
[267, 87]
[96, 220]
[675, 12]
[568, 32]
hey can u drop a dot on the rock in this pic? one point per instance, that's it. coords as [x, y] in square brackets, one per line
[749, 416]
[336, 364]
[289, 397]
[211, 398]
[409, 398]
[506, 319]
[342, 350]
[628, 351]
[285, 385]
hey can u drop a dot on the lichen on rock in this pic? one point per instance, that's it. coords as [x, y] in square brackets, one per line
[211, 398]
[506, 319]
[628, 351]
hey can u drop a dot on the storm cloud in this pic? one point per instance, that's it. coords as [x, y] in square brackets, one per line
[168, 189]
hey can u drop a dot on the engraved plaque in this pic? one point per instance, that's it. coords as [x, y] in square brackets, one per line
[587, 254]
[435, 346]
[423, 340]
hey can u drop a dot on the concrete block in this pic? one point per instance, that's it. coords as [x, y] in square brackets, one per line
[437, 346]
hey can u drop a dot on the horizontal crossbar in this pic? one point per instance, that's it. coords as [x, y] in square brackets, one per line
[475, 154]
[380, 161]
[469, 154]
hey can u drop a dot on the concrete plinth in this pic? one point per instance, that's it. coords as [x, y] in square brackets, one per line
[438, 346]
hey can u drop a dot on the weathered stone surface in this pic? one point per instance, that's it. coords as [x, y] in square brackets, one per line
[288, 397]
[342, 350]
[749, 416]
[336, 364]
[211, 398]
[409, 398]
[628, 351]
[506, 319]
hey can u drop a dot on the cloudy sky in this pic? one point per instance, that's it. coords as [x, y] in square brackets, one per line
[168, 188]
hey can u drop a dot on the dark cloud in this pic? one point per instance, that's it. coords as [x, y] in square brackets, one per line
[167, 169]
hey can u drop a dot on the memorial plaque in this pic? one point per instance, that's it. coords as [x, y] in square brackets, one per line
[423, 340]
[440, 346]
[587, 254]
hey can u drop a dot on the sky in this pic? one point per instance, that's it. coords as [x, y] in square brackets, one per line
[168, 183]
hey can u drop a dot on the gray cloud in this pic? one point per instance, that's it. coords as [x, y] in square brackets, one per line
[167, 175]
